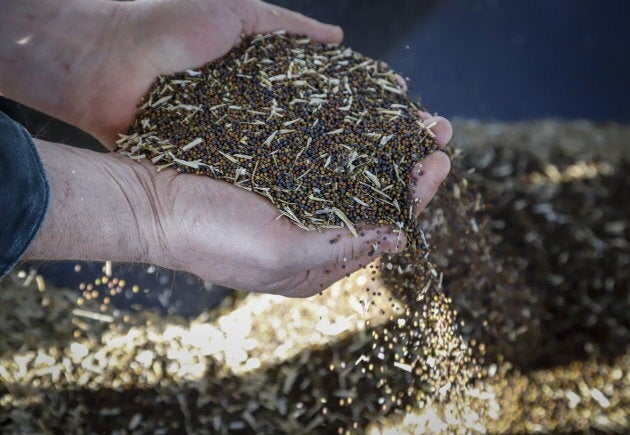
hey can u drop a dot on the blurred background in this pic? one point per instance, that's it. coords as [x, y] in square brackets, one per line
[473, 59]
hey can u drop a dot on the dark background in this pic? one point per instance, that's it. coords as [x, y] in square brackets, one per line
[505, 60]
[487, 59]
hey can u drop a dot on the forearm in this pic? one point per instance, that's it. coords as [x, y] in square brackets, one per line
[97, 209]
[46, 48]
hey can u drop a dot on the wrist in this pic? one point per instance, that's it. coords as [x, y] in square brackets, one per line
[98, 209]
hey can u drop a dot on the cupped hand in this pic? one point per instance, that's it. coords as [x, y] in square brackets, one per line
[145, 39]
[238, 239]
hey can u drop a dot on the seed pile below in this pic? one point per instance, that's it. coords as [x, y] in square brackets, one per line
[325, 133]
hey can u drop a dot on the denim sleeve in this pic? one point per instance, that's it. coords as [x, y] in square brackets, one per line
[24, 193]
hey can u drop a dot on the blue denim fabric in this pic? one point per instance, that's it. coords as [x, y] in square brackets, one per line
[24, 193]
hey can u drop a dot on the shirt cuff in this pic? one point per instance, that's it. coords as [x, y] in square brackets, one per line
[24, 193]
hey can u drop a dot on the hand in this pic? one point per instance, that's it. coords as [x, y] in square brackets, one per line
[108, 207]
[90, 63]
[235, 238]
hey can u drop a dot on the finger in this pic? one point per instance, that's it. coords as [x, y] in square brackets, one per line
[313, 281]
[266, 18]
[313, 249]
[426, 178]
[440, 126]
[402, 82]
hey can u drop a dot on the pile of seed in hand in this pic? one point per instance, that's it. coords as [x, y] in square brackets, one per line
[326, 134]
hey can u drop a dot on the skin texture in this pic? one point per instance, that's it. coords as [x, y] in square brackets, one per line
[89, 63]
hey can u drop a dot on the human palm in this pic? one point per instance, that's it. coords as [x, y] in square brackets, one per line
[237, 238]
